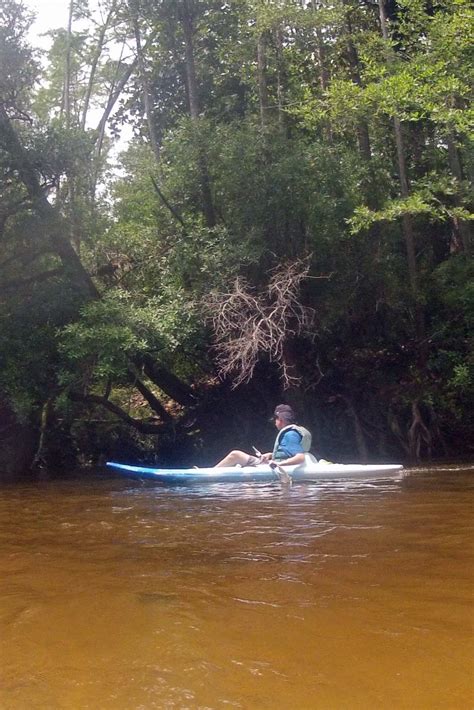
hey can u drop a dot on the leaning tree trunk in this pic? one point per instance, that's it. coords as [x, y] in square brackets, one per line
[53, 221]
[114, 95]
[95, 61]
[57, 228]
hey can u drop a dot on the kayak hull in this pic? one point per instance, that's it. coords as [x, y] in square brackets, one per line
[311, 470]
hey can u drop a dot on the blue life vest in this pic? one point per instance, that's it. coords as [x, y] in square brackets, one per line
[301, 430]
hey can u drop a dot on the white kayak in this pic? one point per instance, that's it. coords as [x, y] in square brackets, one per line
[310, 470]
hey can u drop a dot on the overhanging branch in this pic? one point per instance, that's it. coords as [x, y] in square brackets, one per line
[152, 400]
[138, 424]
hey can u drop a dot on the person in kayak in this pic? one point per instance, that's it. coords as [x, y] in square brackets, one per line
[291, 443]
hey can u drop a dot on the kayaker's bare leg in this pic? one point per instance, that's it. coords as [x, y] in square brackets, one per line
[237, 457]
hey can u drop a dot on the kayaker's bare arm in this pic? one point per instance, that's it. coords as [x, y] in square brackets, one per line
[292, 461]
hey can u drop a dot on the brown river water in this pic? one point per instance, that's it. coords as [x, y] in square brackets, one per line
[117, 595]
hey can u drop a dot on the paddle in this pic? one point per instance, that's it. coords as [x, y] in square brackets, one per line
[257, 452]
[283, 474]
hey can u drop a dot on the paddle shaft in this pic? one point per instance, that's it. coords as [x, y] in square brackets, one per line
[283, 475]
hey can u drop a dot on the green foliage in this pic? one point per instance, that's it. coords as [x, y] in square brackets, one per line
[454, 283]
[297, 156]
[19, 68]
[59, 152]
[28, 344]
[425, 202]
[117, 328]
[463, 378]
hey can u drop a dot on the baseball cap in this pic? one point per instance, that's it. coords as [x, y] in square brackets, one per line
[284, 411]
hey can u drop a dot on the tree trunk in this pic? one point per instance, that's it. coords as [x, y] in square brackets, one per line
[407, 223]
[71, 179]
[359, 435]
[153, 401]
[281, 78]
[67, 69]
[321, 53]
[323, 76]
[94, 63]
[191, 81]
[144, 81]
[187, 23]
[138, 424]
[418, 434]
[362, 130]
[39, 459]
[100, 130]
[18, 443]
[462, 233]
[53, 222]
[262, 80]
[166, 381]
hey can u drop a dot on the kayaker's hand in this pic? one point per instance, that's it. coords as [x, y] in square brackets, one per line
[265, 458]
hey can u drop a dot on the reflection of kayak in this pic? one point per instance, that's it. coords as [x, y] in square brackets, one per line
[311, 470]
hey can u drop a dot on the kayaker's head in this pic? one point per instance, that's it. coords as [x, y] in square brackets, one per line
[283, 416]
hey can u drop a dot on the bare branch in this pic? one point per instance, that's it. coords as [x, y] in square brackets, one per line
[167, 203]
[248, 325]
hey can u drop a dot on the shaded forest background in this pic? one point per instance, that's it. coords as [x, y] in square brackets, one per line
[290, 222]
